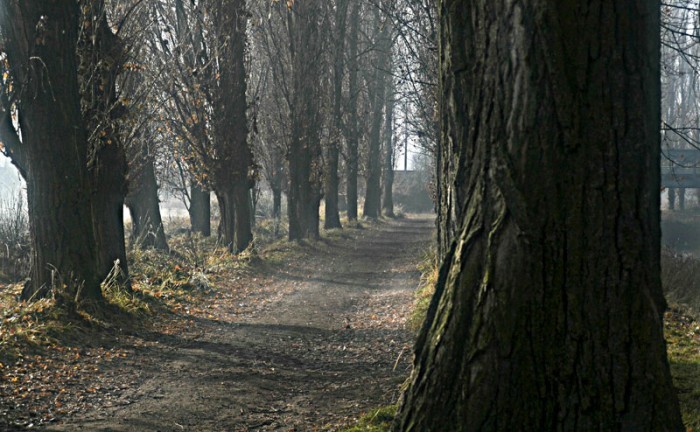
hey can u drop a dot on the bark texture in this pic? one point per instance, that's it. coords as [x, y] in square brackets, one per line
[100, 53]
[304, 154]
[40, 40]
[548, 310]
[232, 166]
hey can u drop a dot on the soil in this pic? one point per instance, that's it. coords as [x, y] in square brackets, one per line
[309, 341]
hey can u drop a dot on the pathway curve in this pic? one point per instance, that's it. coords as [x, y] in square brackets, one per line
[325, 343]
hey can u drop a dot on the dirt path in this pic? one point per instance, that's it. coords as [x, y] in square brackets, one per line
[324, 342]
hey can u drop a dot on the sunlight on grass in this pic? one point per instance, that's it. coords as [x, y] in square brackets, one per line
[428, 268]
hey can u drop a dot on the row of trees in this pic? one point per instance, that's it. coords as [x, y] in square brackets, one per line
[548, 309]
[104, 99]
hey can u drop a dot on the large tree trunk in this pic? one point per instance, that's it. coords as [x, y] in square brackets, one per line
[351, 129]
[109, 190]
[40, 41]
[200, 209]
[101, 55]
[548, 309]
[144, 206]
[304, 155]
[234, 164]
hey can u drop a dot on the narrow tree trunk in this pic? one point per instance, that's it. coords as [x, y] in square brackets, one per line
[200, 210]
[671, 198]
[144, 206]
[548, 309]
[277, 204]
[388, 201]
[681, 199]
[40, 41]
[351, 130]
[242, 209]
[373, 190]
[332, 182]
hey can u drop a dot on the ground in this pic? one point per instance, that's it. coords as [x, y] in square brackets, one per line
[306, 340]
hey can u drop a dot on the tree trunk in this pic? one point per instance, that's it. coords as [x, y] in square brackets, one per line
[351, 129]
[144, 206]
[681, 199]
[234, 204]
[101, 55]
[332, 182]
[373, 191]
[548, 309]
[200, 210]
[234, 164]
[304, 155]
[277, 204]
[388, 200]
[109, 190]
[40, 41]
[671, 198]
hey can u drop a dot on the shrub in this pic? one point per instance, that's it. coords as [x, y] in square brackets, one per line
[14, 238]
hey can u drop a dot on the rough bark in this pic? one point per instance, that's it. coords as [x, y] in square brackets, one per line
[233, 166]
[40, 41]
[304, 154]
[351, 129]
[101, 53]
[144, 206]
[200, 210]
[548, 309]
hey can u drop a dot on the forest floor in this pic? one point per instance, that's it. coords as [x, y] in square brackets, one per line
[307, 337]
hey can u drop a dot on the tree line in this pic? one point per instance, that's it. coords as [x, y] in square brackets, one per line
[103, 102]
[544, 121]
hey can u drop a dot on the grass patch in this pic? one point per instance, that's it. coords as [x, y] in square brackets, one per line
[683, 341]
[377, 420]
[428, 268]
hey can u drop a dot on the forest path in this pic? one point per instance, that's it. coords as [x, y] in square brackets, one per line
[324, 342]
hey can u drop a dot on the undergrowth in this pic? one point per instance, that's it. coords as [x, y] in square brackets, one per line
[161, 283]
[683, 340]
[377, 420]
[428, 269]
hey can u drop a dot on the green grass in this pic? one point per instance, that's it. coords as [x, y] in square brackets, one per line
[378, 420]
[428, 268]
[683, 339]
